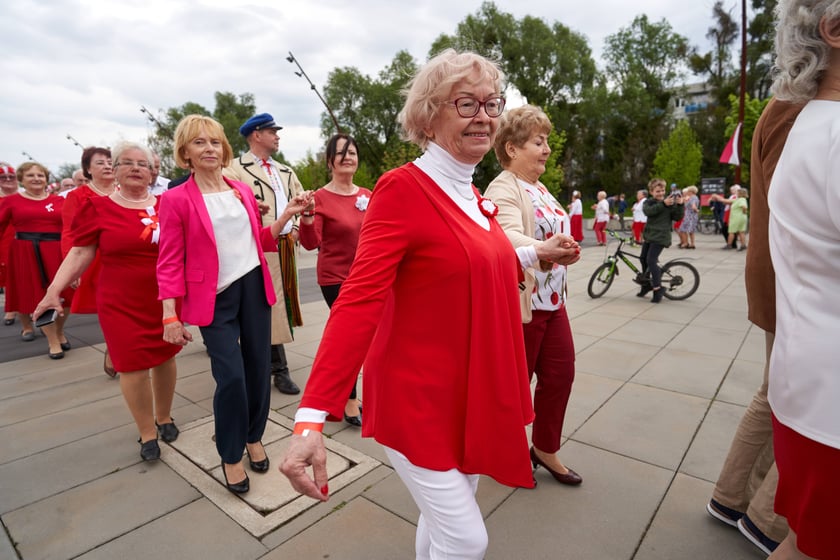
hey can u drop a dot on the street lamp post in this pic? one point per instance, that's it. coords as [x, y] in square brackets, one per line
[151, 117]
[29, 157]
[301, 74]
[75, 142]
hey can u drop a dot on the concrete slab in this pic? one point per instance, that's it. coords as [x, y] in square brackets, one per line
[658, 333]
[742, 382]
[684, 372]
[712, 341]
[85, 517]
[360, 529]
[645, 423]
[212, 534]
[683, 529]
[615, 358]
[589, 393]
[603, 518]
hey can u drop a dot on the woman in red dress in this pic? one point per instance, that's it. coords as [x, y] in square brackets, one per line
[8, 187]
[35, 252]
[333, 228]
[122, 229]
[97, 169]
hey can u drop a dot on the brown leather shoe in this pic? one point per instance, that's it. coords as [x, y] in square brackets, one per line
[571, 478]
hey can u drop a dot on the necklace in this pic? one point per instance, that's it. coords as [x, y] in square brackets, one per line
[27, 194]
[462, 195]
[92, 185]
[120, 194]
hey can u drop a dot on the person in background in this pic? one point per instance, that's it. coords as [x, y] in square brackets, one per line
[66, 185]
[274, 184]
[8, 187]
[576, 217]
[101, 181]
[445, 379]
[804, 385]
[531, 219]
[333, 228]
[122, 230]
[692, 216]
[602, 217]
[746, 487]
[159, 184]
[79, 178]
[212, 256]
[662, 211]
[35, 253]
[639, 217]
[738, 211]
[620, 209]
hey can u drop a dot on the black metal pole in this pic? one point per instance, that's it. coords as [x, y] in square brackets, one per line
[743, 90]
[291, 58]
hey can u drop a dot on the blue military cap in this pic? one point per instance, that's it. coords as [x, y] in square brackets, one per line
[258, 122]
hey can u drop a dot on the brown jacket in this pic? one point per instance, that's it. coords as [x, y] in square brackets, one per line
[769, 138]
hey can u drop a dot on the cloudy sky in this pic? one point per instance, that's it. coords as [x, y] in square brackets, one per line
[85, 67]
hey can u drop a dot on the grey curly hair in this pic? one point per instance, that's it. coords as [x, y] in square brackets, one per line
[802, 54]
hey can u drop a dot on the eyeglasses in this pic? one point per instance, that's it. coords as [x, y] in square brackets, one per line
[131, 164]
[8, 178]
[468, 107]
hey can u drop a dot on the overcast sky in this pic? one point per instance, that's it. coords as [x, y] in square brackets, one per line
[84, 67]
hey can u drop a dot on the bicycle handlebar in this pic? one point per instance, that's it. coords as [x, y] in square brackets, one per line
[612, 233]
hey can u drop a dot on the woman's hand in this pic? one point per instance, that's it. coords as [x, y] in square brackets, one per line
[302, 452]
[50, 301]
[176, 333]
[560, 249]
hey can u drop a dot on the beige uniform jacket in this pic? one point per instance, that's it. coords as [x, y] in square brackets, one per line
[244, 169]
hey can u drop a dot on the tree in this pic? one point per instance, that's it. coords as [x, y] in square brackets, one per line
[679, 157]
[716, 65]
[644, 61]
[367, 108]
[67, 169]
[231, 111]
[761, 34]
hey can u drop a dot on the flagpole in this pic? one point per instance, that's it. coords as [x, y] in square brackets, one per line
[742, 99]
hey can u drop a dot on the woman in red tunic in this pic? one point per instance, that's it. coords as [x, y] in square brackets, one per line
[35, 252]
[99, 172]
[333, 228]
[8, 187]
[122, 229]
[431, 308]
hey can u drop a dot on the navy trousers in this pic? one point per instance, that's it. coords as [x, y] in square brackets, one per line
[238, 342]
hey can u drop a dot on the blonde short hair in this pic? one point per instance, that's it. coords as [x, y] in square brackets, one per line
[690, 189]
[431, 86]
[517, 126]
[189, 128]
[655, 182]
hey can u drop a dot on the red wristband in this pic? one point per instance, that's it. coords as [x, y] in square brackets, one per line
[303, 428]
[168, 320]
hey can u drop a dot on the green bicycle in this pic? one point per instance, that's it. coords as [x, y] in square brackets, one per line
[679, 278]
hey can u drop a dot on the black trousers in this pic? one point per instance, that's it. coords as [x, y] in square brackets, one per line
[330, 294]
[650, 262]
[238, 342]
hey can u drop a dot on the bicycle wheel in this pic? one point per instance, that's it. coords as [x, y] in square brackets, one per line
[679, 279]
[601, 280]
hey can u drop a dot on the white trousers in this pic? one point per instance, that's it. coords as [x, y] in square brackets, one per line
[450, 526]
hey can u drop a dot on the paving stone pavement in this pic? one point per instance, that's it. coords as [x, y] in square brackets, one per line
[657, 397]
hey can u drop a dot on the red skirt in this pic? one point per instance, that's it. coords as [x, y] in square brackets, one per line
[808, 491]
[576, 223]
[24, 286]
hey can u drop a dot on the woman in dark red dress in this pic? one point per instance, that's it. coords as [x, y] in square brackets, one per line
[35, 253]
[122, 228]
[101, 182]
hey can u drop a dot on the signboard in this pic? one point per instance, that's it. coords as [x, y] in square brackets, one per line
[710, 186]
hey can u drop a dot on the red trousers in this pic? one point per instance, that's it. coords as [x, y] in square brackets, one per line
[638, 228]
[600, 233]
[550, 352]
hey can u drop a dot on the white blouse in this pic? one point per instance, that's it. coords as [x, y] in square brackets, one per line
[235, 243]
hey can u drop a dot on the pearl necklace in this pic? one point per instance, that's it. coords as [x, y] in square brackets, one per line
[26, 194]
[120, 194]
[92, 185]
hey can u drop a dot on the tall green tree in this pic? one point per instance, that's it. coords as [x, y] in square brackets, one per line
[761, 34]
[230, 110]
[679, 157]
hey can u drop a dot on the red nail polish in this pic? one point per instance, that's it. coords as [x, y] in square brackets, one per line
[325, 489]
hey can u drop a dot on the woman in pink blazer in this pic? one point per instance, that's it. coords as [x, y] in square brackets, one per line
[211, 255]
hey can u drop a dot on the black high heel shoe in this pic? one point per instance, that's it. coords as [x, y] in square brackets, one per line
[354, 420]
[571, 478]
[238, 487]
[258, 466]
